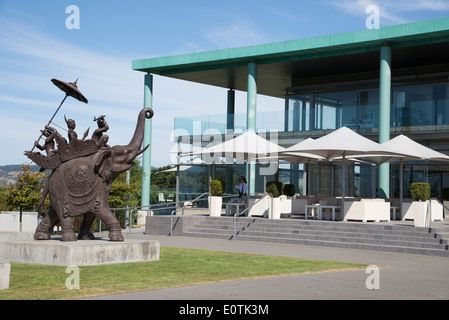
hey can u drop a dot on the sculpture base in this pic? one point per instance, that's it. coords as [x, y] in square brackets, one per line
[5, 269]
[80, 253]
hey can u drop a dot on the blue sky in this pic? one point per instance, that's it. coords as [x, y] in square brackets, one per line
[36, 46]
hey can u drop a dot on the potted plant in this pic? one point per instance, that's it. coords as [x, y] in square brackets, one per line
[289, 190]
[275, 189]
[215, 200]
[420, 192]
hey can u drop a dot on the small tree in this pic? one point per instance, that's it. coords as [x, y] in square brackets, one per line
[274, 188]
[289, 190]
[26, 193]
[420, 191]
[216, 188]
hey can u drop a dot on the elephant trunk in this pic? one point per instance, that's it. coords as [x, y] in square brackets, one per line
[137, 139]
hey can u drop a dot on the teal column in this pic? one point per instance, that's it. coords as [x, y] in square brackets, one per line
[251, 98]
[230, 130]
[146, 159]
[231, 110]
[251, 117]
[384, 116]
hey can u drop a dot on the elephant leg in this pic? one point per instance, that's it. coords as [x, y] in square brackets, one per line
[115, 230]
[46, 225]
[68, 229]
[85, 227]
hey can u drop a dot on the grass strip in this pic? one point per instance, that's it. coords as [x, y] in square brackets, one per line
[177, 267]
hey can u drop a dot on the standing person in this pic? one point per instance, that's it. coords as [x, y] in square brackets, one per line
[242, 187]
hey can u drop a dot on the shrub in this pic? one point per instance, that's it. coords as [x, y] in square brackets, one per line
[216, 188]
[274, 188]
[420, 191]
[289, 190]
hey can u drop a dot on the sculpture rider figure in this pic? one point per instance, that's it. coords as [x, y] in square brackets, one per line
[49, 144]
[98, 136]
[71, 125]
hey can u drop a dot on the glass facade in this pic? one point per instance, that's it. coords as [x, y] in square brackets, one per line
[414, 109]
[417, 108]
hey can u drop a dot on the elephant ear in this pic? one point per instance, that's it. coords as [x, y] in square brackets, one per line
[103, 163]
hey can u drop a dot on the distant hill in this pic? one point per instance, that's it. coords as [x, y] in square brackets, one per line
[9, 173]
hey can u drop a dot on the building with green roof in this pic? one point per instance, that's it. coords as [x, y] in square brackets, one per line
[380, 83]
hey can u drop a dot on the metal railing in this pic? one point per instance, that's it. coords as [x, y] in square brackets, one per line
[186, 204]
[238, 214]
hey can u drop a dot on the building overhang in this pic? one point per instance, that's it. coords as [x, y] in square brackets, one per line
[419, 47]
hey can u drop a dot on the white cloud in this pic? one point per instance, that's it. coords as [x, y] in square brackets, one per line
[31, 57]
[420, 5]
[391, 12]
[288, 15]
[235, 35]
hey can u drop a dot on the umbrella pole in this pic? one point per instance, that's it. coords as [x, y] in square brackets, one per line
[343, 188]
[54, 115]
[308, 182]
[401, 186]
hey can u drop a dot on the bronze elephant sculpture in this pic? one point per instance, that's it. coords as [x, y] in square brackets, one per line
[83, 172]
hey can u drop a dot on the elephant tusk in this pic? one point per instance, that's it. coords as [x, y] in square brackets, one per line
[142, 151]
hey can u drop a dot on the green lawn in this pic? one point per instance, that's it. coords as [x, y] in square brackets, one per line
[176, 267]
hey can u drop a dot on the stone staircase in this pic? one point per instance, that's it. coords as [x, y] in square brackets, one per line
[378, 237]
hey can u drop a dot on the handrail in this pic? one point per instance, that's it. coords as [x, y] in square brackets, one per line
[182, 208]
[237, 214]
[148, 207]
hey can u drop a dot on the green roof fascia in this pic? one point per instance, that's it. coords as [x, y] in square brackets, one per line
[416, 33]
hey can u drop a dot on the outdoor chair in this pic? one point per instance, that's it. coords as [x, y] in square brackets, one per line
[394, 209]
[331, 206]
[161, 198]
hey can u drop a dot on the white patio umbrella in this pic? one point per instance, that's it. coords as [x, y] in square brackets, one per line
[245, 147]
[340, 143]
[411, 150]
[296, 158]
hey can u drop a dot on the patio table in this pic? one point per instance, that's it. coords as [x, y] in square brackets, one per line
[393, 212]
[315, 208]
[325, 207]
[237, 205]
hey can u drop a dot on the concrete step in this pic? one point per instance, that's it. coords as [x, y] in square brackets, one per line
[376, 239]
[432, 243]
[349, 231]
[350, 245]
[404, 239]
[317, 230]
[310, 242]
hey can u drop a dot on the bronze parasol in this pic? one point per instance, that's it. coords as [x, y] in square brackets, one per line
[70, 89]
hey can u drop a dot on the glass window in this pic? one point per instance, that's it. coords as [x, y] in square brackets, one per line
[335, 110]
[298, 113]
[369, 109]
[423, 105]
